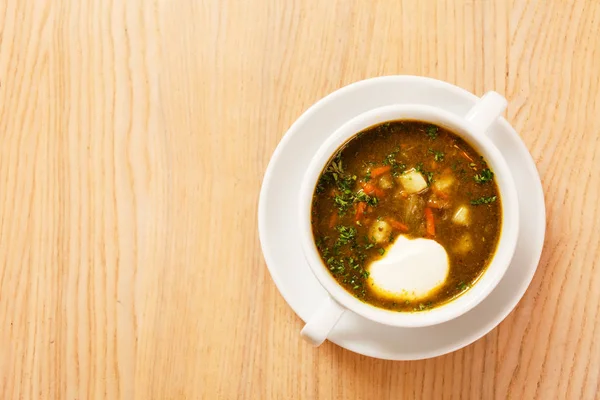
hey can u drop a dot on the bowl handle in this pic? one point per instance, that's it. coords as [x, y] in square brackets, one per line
[322, 322]
[486, 111]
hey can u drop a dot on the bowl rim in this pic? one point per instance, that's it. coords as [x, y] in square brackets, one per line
[507, 240]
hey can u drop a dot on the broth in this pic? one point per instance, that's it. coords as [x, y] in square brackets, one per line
[407, 178]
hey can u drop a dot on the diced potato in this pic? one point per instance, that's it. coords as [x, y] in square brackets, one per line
[380, 231]
[462, 216]
[464, 244]
[443, 183]
[412, 181]
[385, 182]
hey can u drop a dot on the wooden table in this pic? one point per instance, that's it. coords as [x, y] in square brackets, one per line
[134, 139]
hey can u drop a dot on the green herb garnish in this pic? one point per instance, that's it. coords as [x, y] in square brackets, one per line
[347, 234]
[430, 179]
[341, 202]
[362, 196]
[437, 155]
[483, 200]
[432, 131]
[428, 175]
[390, 159]
[486, 176]
[345, 183]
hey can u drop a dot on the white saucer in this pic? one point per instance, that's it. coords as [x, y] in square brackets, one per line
[281, 245]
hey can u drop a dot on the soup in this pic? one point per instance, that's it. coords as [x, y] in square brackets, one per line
[412, 179]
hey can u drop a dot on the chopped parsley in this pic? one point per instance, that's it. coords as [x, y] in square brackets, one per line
[335, 167]
[432, 132]
[368, 176]
[347, 260]
[362, 196]
[381, 251]
[345, 184]
[345, 196]
[320, 242]
[430, 179]
[341, 202]
[398, 169]
[368, 243]
[486, 176]
[324, 180]
[429, 175]
[390, 159]
[462, 286]
[347, 234]
[483, 200]
[437, 155]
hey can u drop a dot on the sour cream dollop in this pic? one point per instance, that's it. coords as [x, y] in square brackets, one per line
[410, 270]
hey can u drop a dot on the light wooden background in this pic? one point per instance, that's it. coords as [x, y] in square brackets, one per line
[134, 136]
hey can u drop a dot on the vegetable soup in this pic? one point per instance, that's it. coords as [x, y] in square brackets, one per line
[407, 178]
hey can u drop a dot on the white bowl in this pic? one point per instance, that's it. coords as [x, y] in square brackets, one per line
[472, 129]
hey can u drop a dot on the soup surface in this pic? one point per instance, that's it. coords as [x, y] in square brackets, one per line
[406, 178]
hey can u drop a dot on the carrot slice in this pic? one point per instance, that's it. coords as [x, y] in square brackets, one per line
[333, 220]
[439, 193]
[375, 172]
[429, 222]
[360, 210]
[371, 189]
[398, 225]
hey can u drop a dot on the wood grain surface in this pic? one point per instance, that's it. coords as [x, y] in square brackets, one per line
[134, 137]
